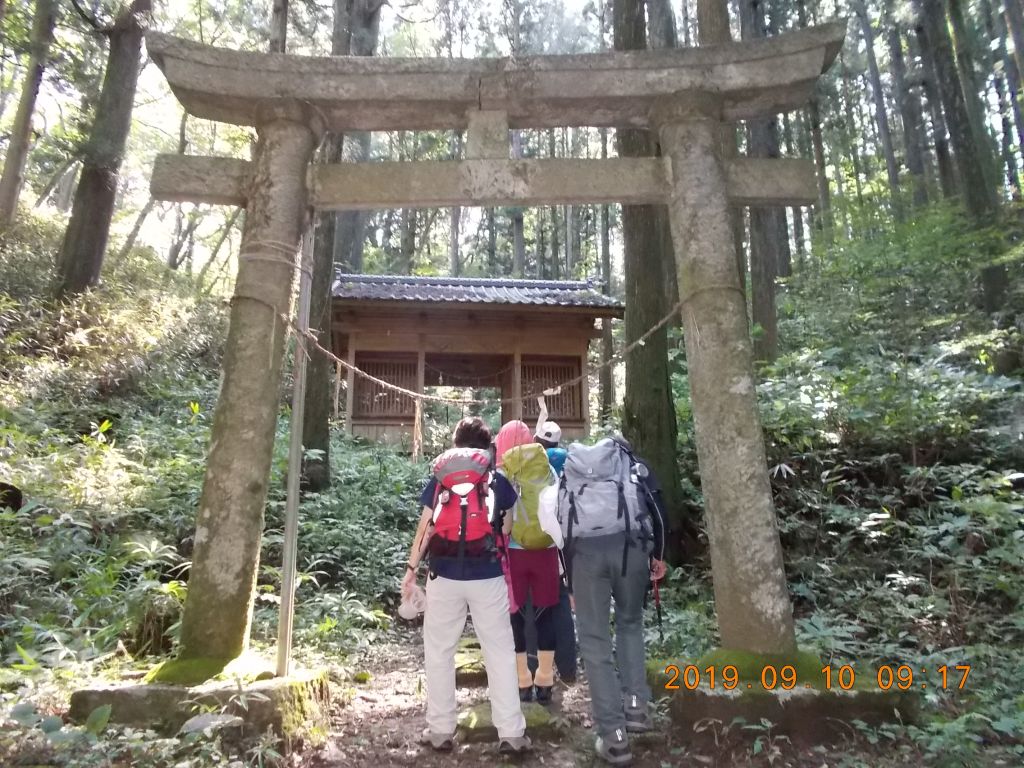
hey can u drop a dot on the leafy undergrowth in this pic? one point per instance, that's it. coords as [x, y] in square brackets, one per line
[894, 419]
[105, 410]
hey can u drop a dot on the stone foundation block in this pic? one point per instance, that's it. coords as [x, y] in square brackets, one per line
[476, 725]
[296, 707]
[806, 714]
[470, 671]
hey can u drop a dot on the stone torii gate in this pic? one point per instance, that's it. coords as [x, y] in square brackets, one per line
[685, 95]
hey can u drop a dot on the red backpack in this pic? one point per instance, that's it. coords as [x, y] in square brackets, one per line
[461, 512]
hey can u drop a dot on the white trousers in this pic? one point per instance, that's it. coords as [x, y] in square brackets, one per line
[443, 622]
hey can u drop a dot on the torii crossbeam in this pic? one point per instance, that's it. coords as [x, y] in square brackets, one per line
[489, 96]
[685, 95]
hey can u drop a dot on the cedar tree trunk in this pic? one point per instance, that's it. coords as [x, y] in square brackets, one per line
[85, 241]
[21, 131]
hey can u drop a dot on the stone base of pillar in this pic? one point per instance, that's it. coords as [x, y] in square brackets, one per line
[809, 713]
[296, 707]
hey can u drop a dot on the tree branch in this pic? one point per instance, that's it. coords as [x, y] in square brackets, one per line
[86, 16]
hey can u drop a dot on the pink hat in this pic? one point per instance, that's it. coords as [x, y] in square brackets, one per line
[509, 436]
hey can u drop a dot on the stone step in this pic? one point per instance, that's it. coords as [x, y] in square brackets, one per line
[476, 725]
[470, 671]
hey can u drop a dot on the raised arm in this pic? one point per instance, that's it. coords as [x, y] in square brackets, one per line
[543, 415]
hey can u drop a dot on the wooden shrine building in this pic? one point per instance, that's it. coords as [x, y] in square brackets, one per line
[517, 336]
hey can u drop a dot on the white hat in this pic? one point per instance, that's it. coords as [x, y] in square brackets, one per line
[550, 431]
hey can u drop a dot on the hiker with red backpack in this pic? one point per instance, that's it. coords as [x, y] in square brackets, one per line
[533, 558]
[610, 510]
[461, 533]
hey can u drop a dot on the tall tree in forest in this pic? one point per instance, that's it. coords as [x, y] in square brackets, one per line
[766, 231]
[823, 214]
[358, 37]
[355, 32]
[909, 107]
[513, 14]
[451, 26]
[607, 374]
[948, 181]
[980, 198]
[965, 63]
[662, 33]
[85, 241]
[881, 116]
[1005, 93]
[13, 177]
[1015, 21]
[648, 413]
[279, 26]
[1013, 73]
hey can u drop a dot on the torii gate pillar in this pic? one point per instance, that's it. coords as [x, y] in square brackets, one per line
[229, 523]
[751, 597]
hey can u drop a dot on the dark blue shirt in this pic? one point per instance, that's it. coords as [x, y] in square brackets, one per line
[472, 568]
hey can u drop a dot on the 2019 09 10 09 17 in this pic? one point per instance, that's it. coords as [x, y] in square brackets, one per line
[902, 677]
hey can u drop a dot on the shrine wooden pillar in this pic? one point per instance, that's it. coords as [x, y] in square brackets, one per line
[350, 385]
[517, 383]
[421, 376]
[751, 596]
[585, 394]
[229, 523]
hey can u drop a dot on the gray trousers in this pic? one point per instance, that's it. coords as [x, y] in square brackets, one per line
[597, 580]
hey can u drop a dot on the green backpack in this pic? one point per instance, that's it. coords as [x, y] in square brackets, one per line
[527, 468]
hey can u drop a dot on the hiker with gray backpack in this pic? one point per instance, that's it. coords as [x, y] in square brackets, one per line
[610, 512]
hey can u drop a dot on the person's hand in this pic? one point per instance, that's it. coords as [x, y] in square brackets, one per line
[408, 582]
[658, 569]
[552, 391]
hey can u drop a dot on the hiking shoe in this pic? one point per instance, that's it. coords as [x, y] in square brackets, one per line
[514, 745]
[544, 694]
[439, 742]
[614, 749]
[526, 694]
[638, 717]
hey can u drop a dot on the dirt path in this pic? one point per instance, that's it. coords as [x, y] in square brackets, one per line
[378, 723]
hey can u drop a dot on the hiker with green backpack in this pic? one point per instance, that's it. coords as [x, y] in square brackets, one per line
[532, 556]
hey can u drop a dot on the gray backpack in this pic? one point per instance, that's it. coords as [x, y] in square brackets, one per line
[603, 492]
